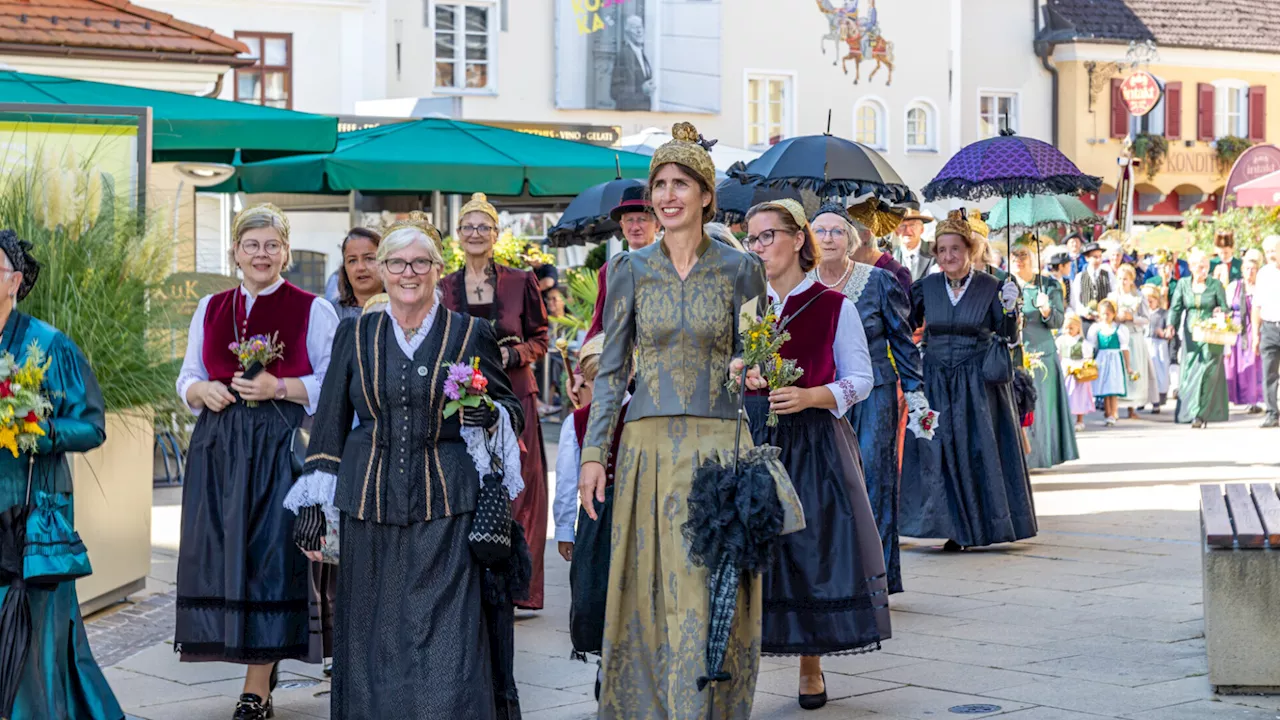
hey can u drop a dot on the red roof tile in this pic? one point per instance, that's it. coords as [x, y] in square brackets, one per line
[107, 25]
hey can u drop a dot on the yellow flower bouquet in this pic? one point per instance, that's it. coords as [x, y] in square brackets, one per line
[1086, 371]
[1217, 330]
[762, 341]
[22, 406]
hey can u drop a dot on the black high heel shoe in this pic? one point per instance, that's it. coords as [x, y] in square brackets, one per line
[817, 700]
[952, 546]
[251, 707]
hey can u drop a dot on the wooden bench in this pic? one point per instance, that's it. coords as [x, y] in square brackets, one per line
[1240, 527]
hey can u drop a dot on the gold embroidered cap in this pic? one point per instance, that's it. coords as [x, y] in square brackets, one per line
[785, 205]
[417, 220]
[979, 227]
[957, 223]
[257, 211]
[686, 148]
[479, 203]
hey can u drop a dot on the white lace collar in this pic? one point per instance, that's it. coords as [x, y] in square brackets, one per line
[858, 280]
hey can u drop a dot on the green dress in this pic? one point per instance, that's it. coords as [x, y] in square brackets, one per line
[1051, 435]
[1202, 389]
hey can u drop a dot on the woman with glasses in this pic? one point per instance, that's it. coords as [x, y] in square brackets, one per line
[358, 279]
[895, 362]
[410, 632]
[825, 593]
[512, 303]
[242, 586]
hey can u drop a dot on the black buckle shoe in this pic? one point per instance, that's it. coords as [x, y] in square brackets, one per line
[817, 700]
[251, 707]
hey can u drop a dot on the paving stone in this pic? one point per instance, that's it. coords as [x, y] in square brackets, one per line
[927, 704]
[968, 652]
[550, 672]
[1004, 633]
[160, 661]
[777, 707]
[1096, 698]
[868, 662]
[534, 698]
[785, 683]
[953, 677]
[1202, 709]
[1113, 671]
[137, 691]
[1048, 713]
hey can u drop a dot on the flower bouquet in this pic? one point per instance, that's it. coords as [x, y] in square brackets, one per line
[762, 341]
[1217, 330]
[255, 353]
[1033, 362]
[1087, 371]
[22, 406]
[779, 373]
[922, 420]
[466, 387]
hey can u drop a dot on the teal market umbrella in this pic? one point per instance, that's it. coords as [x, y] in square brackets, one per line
[1031, 212]
[450, 156]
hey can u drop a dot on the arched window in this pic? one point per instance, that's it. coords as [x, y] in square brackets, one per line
[307, 271]
[921, 127]
[869, 126]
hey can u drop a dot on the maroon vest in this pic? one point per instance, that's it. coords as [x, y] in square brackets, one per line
[580, 417]
[286, 312]
[813, 332]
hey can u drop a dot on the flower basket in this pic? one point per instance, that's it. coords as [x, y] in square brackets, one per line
[1214, 336]
[1087, 373]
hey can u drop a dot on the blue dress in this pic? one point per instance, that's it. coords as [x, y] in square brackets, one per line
[1113, 380]
[969, 483]
[60, 679]
[883, 306]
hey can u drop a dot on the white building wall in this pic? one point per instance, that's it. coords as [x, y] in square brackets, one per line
[998, 55]
[332, 69]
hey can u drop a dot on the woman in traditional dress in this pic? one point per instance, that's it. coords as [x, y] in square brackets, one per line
[1202, 383]
[242, 586]
[1132, 314]
[1243, 362]
[674, 304]
[511, 301]
[411, 632]
[969, 484]
[60, 678]
[1051, 435]
[358, 278]
[895, 362]
[826, 592]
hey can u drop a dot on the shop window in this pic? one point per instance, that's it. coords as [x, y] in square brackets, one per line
[269, 80]
[870, 125]
[996, 110]
[921, 127]
[308, 271]
[769, 110]
[464, 44]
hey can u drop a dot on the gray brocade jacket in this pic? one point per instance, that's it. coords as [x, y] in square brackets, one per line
[680, 336]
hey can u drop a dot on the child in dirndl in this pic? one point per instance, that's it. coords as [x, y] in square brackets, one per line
[1111, 343]
[1074, 351]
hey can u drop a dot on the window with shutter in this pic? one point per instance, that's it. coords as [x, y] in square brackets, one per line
[1119, 113]
[1257, 113]
[1173, 110]
[1204, 111]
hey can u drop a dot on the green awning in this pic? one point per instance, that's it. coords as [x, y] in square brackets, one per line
[186, 127]
[450, 156]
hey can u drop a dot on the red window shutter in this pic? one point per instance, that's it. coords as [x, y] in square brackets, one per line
[1173, 110]
[1119, 113]
[1258, 113]
[1204, 111]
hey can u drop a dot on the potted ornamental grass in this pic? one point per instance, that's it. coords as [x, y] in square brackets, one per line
[101, 261]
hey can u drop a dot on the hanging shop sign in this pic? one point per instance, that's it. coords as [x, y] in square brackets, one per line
[1141, 91]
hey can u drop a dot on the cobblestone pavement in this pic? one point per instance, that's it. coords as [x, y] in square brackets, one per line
[1097, 617]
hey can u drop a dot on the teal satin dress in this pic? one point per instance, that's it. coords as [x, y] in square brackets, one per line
[60, 679]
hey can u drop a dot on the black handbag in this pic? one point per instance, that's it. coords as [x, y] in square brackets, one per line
[298, 443]
[490, 535]
[997, 364]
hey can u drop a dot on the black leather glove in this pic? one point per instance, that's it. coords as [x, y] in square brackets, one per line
[482, 417]
[309, 528]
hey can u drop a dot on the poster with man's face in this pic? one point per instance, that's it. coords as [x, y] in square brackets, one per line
[613, 55]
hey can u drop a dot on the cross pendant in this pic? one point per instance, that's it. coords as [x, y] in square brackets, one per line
[479, 292]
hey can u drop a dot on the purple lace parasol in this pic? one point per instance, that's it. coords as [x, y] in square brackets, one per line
[1008, 165]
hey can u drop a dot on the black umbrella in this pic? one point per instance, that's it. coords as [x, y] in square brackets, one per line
[735, 520]
[15, 613]
[587, 220]
[734, 197]
[829, 166]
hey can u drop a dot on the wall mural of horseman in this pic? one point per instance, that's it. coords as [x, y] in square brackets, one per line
[861, 35]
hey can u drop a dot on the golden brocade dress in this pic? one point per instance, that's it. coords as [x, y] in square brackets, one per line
[680, 335]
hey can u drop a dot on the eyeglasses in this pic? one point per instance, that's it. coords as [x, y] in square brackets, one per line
[764, 239]
[397, 266]
[252, 247]
[833, 233]
[476, 229]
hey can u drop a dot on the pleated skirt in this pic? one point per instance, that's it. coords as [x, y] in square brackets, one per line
[409, 635]
[658, 606]
[877, 423]
[826, 593]
[968, 483]
[243, 587]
